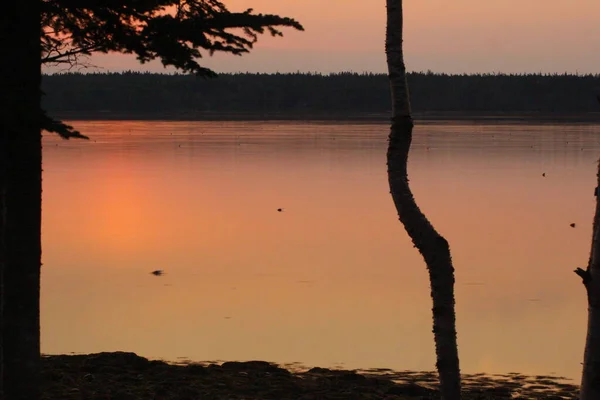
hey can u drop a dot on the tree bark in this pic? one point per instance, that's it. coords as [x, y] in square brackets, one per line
[590, 381]
[20, 200]
[432, 246]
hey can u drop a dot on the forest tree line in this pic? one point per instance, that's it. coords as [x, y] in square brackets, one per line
[138, 94]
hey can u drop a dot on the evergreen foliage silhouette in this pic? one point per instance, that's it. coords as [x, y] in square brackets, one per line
[151, 94]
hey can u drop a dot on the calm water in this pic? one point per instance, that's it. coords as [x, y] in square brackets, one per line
[333, 280]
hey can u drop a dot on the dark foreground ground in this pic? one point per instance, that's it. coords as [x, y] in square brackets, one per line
[126, 376]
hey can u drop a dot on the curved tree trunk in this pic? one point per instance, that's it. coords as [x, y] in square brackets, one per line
[20, 200]
[590, 381]
[427, 240]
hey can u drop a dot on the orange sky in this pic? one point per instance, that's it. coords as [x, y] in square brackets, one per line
[440, 35]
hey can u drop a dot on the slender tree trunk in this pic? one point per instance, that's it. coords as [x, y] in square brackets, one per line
[427, 240]
[590, 382]
[20, 200]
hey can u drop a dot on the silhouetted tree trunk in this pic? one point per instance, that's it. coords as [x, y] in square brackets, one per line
[427, 240]
[20, 200]
[590, 382]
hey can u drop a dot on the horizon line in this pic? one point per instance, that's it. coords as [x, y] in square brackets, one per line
[317, 73]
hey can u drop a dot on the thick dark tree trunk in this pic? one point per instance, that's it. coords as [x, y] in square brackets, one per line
[20, 200]
[590, 382]
[427, 240]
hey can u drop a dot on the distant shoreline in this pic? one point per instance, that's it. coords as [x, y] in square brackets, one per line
[584, 118]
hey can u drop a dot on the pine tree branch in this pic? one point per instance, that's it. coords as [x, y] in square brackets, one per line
[65, 131]
[172, 31]
[68, 56]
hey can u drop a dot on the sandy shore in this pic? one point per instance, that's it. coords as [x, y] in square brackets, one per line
[127, 376]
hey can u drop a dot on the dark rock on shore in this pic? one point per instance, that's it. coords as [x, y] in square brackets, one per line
[126, 376]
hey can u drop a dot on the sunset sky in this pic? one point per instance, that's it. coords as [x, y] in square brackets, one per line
[452, 36]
